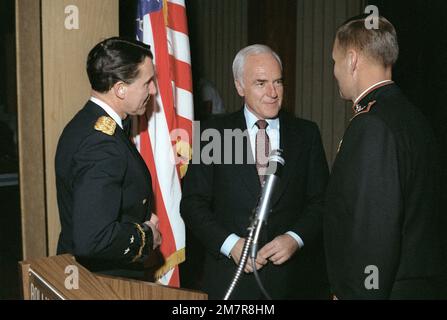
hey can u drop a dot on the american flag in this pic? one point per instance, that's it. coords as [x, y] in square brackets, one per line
[165, 133]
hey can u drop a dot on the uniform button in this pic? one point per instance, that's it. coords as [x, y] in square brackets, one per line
[126, 251]
[144, 201]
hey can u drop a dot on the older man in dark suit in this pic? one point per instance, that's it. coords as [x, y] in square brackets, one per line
[219, 197]
[104, 189]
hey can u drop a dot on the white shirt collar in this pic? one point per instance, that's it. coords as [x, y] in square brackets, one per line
[108, 110]
[361, 96]
[251, 119]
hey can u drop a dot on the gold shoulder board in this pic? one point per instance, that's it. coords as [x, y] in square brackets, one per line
[106, 125]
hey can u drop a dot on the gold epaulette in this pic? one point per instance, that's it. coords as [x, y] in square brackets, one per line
[106, 125]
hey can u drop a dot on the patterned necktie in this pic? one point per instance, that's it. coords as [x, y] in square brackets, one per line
[262, 149]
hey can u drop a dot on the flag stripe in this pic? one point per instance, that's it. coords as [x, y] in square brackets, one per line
[168, 242]
[161, 136]
[179, 2]
[169, 188]
[179, 45]
[185, 104]
[163, 68]
[181, 74]
[176, 18]
[148, 36]
[164, 227]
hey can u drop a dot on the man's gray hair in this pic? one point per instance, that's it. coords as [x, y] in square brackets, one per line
[241, 56]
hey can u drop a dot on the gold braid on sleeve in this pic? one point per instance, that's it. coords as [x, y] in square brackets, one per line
[143, 242]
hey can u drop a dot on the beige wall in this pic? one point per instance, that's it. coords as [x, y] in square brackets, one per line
[317, 95]
[65, 83]
[65, 89]
[29, 117]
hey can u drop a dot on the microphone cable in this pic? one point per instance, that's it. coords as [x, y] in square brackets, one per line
[247, 244]
[256, 274]
[261, 212]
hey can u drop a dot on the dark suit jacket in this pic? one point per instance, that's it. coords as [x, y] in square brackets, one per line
[382, 202]
[218, 200]
[103, 189]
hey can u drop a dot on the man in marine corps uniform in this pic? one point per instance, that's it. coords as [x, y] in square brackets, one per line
[381, 220]
[104, 189]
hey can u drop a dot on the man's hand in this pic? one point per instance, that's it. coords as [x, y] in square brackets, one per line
[279, 250]
[155, 220]
[236, 254]
[153, 223]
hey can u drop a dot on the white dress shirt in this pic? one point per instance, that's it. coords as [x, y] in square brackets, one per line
[108, 110]
[274, 138]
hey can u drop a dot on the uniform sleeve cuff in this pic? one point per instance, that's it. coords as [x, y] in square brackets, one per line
[149, 235]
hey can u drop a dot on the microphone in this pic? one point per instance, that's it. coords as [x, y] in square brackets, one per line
[275, 164]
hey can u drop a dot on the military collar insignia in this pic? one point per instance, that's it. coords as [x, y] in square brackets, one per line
[106, 125]
[358, 107]
[363, 109]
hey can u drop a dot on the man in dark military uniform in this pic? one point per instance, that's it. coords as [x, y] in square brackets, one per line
[104, 189]
[381, 221]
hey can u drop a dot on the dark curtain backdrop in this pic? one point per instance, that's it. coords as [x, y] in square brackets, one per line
[421, 71]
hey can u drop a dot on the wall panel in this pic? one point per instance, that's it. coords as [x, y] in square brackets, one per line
[52, 86]
[65, 83]
[30, 128]
[218, 30]
[317, 96]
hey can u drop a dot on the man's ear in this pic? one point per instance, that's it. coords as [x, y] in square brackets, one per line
[352, 57]
[120, 89]
[239, 88]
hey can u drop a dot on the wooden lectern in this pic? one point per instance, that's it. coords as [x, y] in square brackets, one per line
[62, 278]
